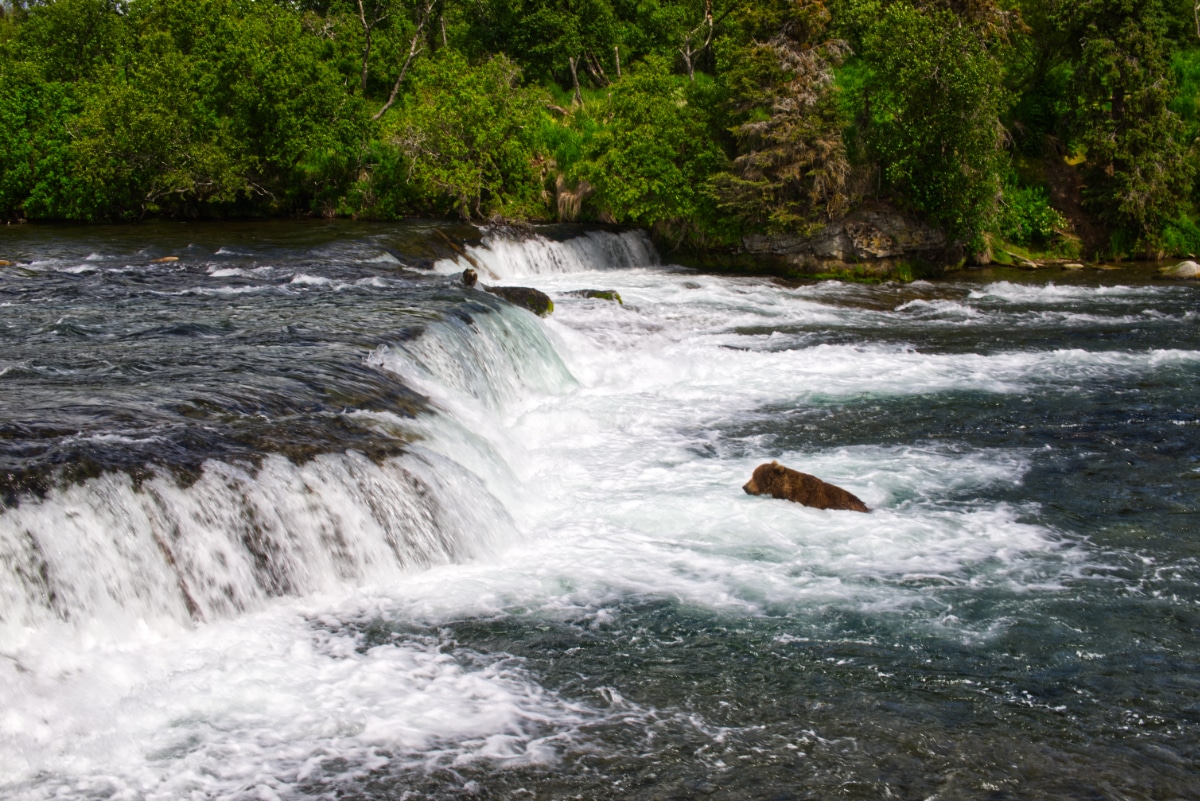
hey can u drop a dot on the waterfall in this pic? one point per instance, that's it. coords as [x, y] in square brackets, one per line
[153, 546]
[112, 549]
[501, 256]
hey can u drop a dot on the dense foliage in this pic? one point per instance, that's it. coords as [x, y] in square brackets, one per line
[704, 120]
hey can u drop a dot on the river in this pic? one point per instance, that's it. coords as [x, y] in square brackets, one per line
[291, 513]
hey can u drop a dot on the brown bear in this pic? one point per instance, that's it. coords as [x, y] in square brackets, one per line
[791, 485]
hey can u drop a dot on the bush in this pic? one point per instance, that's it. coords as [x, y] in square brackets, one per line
[931, 106]
[1026, 217]
[650, 161]
[467, 137]
[1181, 236]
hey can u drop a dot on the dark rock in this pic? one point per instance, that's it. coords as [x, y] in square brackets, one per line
[600, 294]
[537, 302]
[869, 238]
[791, 485]
[470, 277]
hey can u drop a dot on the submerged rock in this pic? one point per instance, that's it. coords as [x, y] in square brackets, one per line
[791, 485]
[600, 294]
[1184, 270]
[537, 302]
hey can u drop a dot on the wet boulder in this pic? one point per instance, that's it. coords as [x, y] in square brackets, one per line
[527, 298]
[1186, 270]
[598, 294]
[791, 485]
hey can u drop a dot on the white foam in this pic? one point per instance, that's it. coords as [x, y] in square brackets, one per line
[501, 257]
[310, 280]
[108, 553]
[254, 707]
[382, 258]
[1051, 293]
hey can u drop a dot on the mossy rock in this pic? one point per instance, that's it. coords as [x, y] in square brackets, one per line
[1187, 270]
[599, 294]
[527, 298]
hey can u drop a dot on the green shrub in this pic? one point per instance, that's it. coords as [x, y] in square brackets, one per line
[468, 139]
[1181, 236]
[650, 161]
[930, 105]
[1025, 216]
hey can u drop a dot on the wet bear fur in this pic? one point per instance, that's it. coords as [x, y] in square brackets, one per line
[791, 485]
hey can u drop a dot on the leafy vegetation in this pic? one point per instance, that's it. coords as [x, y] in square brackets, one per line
[703, 120]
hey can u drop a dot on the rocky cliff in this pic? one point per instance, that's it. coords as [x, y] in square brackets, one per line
[869, 240]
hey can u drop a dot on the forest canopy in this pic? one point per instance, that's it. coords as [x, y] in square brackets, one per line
[1041, 123]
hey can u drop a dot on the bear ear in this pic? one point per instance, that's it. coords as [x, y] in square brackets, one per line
[774, 463]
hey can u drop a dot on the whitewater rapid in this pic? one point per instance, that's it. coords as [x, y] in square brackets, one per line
[212, 639]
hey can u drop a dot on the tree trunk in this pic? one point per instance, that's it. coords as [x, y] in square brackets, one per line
[575, 80]
[686, 52]
[596, 69]
[617, 48]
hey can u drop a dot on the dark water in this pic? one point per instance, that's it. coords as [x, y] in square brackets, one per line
[1019, 618]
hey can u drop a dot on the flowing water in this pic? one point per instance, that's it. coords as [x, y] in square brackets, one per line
[300, 516]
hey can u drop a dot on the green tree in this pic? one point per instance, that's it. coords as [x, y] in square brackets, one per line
[791, 172]
[72, 39]
[467, 141]
[33, 115]
[546, 36]
[651, 160]
[930, 104]
[1138, 177]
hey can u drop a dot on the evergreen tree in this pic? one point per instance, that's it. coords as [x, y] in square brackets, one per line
[791, 171]
[1138, 177]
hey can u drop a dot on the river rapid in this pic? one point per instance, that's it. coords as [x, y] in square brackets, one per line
[298, 515]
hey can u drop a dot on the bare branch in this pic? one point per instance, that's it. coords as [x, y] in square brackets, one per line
[708, 27]
[575, 78]
[368, 27]
[414, 49]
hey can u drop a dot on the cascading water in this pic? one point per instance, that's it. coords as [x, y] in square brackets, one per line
[290, 519]
[503, 255]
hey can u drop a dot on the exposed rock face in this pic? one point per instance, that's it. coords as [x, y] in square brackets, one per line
[1184, 270]
[537, 302]
[865, 235]
[791, 485]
